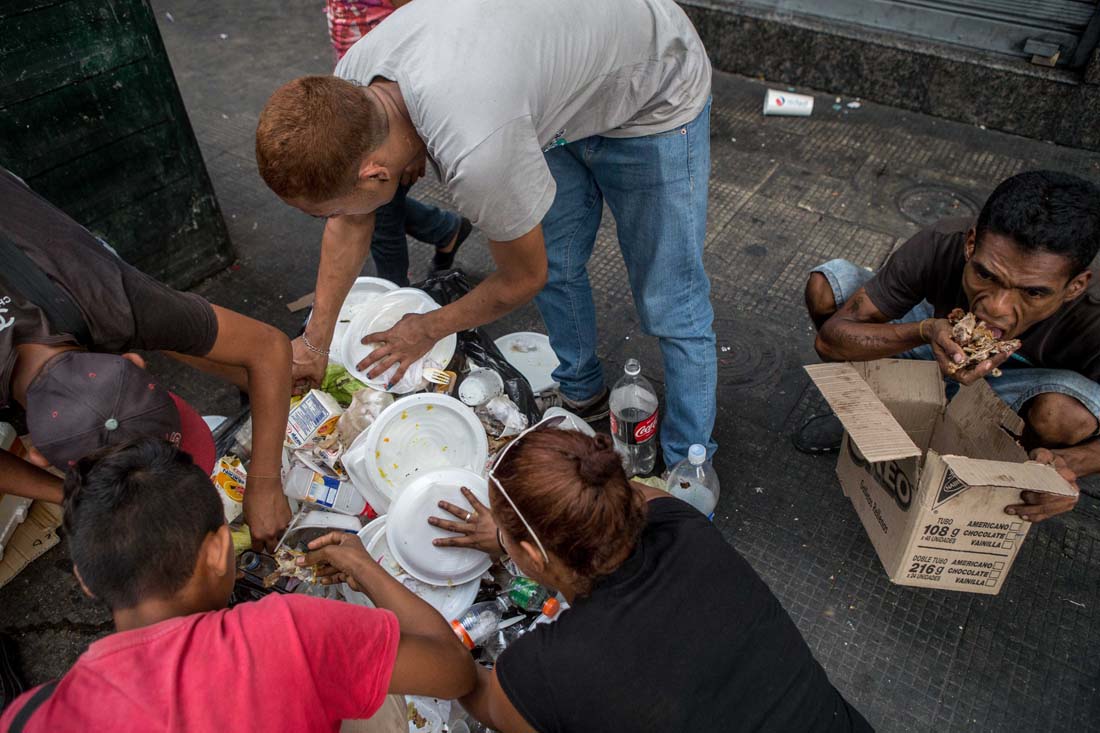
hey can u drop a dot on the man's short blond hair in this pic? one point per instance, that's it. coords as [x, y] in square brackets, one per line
[313, 134]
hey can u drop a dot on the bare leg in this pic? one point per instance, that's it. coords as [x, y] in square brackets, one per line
[820, 301]
[1056, 420]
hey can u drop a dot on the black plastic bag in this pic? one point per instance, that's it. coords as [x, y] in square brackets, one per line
[476, 346]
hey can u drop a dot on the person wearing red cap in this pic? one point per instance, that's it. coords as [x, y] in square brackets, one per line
[72, 313]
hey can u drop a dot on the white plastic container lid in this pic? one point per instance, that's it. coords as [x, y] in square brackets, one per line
[531, 354]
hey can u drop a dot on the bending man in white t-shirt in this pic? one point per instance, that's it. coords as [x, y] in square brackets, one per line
[534, 115]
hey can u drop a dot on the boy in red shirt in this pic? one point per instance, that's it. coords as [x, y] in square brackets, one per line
[147, 537]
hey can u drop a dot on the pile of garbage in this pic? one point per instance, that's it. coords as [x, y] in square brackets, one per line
[376, 462]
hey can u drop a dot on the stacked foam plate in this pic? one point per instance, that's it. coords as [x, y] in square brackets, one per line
[446, 578]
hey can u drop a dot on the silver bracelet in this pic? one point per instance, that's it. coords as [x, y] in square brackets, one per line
[311, 347]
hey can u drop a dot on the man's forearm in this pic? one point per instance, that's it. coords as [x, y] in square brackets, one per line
[269, 386]
[492, 299]
[20, 478]
[846, 340]
[344, 249]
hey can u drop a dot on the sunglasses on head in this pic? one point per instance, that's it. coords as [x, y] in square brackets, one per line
[548, 422]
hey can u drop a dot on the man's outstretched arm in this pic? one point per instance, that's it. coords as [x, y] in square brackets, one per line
[859, 331]
[520, 275]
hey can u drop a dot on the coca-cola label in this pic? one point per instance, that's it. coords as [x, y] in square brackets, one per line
[633, 433]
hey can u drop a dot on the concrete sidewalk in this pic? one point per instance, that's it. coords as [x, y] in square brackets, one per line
[853, 181]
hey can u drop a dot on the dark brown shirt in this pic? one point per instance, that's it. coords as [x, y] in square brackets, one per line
[124, 308]
[930, 267]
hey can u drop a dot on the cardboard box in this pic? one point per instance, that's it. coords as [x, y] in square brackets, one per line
[930, 480]
[31, 539]
[314, 417]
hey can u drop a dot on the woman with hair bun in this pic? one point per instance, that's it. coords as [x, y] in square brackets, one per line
[669, 628]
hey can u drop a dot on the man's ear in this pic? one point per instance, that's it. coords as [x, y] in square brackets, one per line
[83, 586]
[217, 552]
[1077, 285]
[971, 242]
[135, 359]
[370, 170]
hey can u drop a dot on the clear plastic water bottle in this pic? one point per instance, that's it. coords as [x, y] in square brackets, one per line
[695, 481]
[634, 420]
[479, 622]
[508, 631]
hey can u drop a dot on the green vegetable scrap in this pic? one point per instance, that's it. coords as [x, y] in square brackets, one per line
[340, 384]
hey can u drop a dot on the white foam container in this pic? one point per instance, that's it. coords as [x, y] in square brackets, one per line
[411, 536]
[384, 312]
[357, 300]
[449, 599]
[414, 435]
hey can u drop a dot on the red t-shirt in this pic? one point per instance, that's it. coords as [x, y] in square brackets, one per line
[285, 663]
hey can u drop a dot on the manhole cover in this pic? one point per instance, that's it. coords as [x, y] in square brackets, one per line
[748, 356]
[925, 205]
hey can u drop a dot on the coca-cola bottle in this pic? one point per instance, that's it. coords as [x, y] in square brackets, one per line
[634, 420]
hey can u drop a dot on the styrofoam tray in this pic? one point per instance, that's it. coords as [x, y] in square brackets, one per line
[415, 434]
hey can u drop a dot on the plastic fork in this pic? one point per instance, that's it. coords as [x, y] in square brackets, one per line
[438, 376]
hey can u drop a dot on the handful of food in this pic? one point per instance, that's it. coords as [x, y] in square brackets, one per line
[286, 566]
[976, 340]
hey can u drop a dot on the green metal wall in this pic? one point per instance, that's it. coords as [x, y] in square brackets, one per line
[91, 118]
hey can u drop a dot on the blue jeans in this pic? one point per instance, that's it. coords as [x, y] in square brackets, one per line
[1020, 381]
[403, 215]
[656, 187]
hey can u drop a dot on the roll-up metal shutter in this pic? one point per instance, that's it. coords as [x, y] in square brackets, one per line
[1022, 28]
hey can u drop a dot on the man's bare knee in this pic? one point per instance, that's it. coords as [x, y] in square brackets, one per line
[820, 301]
[1056, 420]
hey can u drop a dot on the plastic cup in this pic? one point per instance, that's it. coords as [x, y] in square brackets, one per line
[480, 386]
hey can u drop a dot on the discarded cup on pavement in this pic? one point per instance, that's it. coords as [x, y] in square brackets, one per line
[788, 104]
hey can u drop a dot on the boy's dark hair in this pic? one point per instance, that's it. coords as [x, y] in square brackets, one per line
[1046, 210]
[136, 515]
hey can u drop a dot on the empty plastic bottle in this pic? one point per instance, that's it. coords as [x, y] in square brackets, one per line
[549, 613]
[479, 622]
[634, 420]
[695, 481]
[508, 631]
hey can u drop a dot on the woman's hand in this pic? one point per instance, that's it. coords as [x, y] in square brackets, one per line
[338, 557]
[477, 527]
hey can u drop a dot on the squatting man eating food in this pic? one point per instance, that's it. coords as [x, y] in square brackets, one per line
[1022, 270]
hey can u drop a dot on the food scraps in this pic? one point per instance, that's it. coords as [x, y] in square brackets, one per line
[286, 566]
[976, 340]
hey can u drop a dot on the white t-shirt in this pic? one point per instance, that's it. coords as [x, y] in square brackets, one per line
[491, 84]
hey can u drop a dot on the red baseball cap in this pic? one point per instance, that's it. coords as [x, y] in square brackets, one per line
[82, 401]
